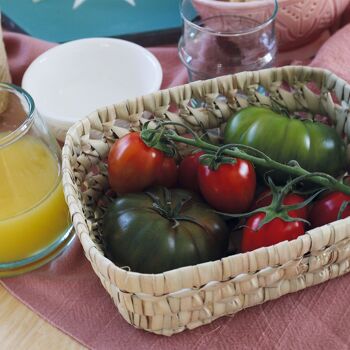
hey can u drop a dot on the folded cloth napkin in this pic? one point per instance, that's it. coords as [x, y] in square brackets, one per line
[68, 294]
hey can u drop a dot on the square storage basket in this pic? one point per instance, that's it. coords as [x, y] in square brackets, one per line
[191, 296]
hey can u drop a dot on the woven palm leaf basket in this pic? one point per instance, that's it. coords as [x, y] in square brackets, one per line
[191, 296]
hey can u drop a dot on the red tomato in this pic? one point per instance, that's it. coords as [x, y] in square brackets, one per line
[265, 199]
[271, 233]
[276, 230]
[326, 209]
[230, 188]
[167, 173]
[188, 172]
[132, 165]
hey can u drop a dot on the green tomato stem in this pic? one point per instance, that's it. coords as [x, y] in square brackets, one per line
[295, 170]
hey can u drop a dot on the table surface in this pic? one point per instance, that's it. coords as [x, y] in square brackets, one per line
[21, 328]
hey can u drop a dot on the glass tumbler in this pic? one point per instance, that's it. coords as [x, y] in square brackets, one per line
[220, 37]
[35, 224]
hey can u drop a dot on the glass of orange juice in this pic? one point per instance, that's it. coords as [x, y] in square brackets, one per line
[35, 225]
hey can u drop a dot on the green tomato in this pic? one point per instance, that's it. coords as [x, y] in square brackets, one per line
[162, 229]
[315, 146]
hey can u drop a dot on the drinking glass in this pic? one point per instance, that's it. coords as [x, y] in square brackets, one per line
[220, 38]
[35, 224]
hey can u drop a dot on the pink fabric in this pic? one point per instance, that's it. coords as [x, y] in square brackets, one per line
[334, 55]
[21, 51]
[68, 294]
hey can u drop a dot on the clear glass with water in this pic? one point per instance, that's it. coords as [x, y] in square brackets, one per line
[227, 40]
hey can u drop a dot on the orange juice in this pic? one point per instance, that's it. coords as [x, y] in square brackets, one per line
[33, 212]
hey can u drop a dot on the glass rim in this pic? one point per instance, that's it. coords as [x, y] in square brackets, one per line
[209, 31]
[27, 122]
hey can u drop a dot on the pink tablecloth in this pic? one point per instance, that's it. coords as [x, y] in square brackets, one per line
[68, 294]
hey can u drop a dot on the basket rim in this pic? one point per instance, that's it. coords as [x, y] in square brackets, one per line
[109, 270]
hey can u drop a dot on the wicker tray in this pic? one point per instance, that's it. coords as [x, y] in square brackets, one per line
[189, 297]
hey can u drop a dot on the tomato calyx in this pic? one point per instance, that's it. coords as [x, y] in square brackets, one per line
[214, 160]
[277, 209]
[155, 138]
[170, 210]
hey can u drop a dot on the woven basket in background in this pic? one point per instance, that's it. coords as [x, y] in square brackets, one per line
[191, 296]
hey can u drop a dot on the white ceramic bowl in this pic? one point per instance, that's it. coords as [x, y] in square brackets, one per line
[71, 80]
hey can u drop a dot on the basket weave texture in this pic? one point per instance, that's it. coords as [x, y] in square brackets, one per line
[191, 296]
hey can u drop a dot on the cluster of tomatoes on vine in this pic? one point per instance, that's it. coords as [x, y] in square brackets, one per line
[229, 186]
